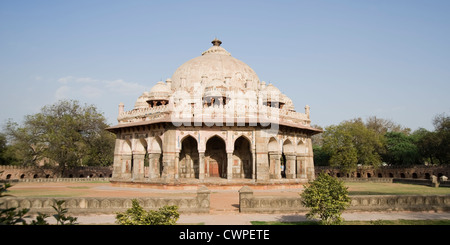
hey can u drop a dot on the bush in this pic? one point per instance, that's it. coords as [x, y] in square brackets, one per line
[136, 215]
[327, 197]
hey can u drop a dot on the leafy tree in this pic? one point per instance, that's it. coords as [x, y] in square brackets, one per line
[321, 157]
[66, 132]
[401, 149]
[337, 143]
[326, 197]
[441, 124]
[351, 143]
[426, 143]
[382, 126]
[136, 215]
[434, 146]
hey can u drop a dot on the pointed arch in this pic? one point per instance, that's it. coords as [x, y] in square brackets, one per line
[216, 157]
[155, 145]
[140, 145]
[188, 166]
[242, 156]
[301, 147]
[126, 147]
[273, 145]
[288, 147]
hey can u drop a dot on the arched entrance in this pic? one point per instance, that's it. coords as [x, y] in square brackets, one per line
[242, 156]
[188, 166]
[216, 158]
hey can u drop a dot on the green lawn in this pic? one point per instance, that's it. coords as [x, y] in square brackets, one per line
[369, 188]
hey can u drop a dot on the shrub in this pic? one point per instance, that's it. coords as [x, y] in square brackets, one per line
[327, 197]
[136, 215]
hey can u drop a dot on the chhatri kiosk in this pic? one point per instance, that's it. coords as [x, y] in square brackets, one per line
[213, 122]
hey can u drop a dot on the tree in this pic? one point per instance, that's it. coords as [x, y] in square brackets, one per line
[326, 197]
[426, 143]
[434, 146]
[401, 149]
[382, 126]
[66, 133]
[351, 143]
[337, 143]
[441, 124]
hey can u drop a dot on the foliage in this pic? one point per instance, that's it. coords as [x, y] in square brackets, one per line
[136, 215]
[326, 197]
[12, 216]
[66, 133]
[401, 149]
[60, 216]
[321, 157]
[351, 143]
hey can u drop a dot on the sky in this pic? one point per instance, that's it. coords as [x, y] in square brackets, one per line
[345, 59]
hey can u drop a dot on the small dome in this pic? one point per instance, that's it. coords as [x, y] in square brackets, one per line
[288, 105]
[160, 92]
[141, 102]
[273, 93]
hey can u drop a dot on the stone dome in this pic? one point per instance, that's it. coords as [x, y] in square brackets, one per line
[141, 102]
[160, 91]
[215, 64]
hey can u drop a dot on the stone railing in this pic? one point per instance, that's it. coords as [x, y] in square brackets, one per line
[248, 203]
[59, 180]
[109, 205]
[256, 112]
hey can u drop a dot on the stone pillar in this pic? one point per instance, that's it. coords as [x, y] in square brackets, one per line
[154, 165]
[245, 194]
[201, 165]
[177, 162]
[229, 165]
[126, 166]
[253, 165]
[138, 166]
[168, 165]
[301, 167]
[290, 166]
[203, 197]
[275, 165]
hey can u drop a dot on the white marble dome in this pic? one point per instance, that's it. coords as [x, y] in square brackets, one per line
[215, 64]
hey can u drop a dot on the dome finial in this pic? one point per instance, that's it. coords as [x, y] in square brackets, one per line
[216, 42]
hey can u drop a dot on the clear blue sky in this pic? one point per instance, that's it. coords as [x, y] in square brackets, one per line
[345, 59]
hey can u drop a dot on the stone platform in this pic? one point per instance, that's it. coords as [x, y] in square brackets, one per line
[213, 183]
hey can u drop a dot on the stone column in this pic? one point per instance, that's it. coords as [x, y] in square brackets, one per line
[253, 165]
[201, 165]
[153, 165]
[275, 168]
[177, 162]
[229, 165]
[301, 167]
[168, 165]
[290, 166]
[138, 166]
[126, 166]
[245, 195]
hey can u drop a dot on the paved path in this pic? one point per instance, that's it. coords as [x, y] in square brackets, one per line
[234, 218]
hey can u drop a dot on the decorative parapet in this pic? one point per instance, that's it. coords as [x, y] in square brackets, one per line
[205, 112]
[109, 205]
[248, 203]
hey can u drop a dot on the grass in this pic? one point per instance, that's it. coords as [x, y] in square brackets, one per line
[370, 188]
[371, 222]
